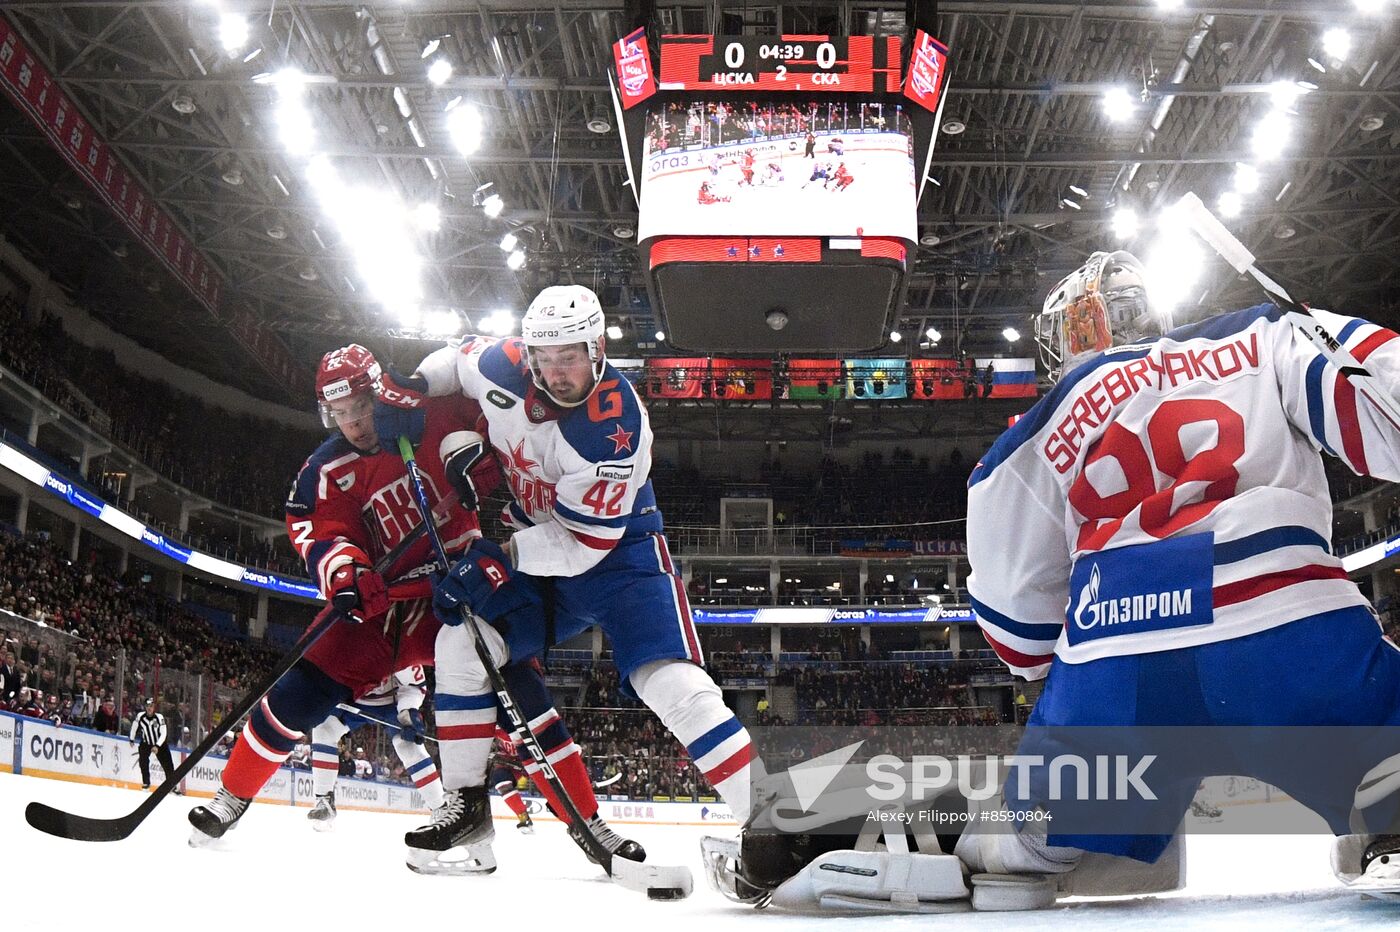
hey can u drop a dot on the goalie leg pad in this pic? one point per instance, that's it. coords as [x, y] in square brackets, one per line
[877, 881]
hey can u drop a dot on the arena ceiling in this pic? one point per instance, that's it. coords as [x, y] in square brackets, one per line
[1023, 193]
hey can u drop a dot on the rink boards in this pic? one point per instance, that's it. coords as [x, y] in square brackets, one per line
[37, 748]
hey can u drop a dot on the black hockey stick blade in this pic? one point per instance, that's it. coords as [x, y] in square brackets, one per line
[62, 824]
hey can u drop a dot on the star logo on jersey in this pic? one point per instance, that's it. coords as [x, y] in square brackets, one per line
[622, 440]
[520, 461]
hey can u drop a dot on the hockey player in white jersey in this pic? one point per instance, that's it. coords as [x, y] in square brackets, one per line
[575, 443]
[1153, 539]
[396, 703]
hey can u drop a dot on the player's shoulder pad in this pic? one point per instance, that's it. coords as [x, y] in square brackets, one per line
[609, 425]
[503, 364]
[302, 500]
[1225, 325]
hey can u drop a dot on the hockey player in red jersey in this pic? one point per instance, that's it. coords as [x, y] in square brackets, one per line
[350, 505]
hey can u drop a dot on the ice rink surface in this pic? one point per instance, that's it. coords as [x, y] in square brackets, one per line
[274, 872]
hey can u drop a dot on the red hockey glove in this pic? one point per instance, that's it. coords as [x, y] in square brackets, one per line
[358, 592]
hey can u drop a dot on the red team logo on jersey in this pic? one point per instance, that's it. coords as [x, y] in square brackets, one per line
[531, 492]
[392, 513]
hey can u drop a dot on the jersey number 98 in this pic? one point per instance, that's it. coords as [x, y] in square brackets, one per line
[1160, 516]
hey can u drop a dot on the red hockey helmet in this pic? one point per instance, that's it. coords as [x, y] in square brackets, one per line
[350, 370]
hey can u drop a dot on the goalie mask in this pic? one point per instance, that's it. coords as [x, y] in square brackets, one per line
[1100, 305]
[562, 316]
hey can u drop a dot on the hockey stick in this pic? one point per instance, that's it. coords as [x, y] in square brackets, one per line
[658, 882]
[1209, 228]
[53, 821]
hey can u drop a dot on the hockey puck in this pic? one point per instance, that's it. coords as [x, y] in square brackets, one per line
[665, 893]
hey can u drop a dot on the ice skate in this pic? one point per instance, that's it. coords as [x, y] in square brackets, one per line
[525, 824]
[615, 844]
[213, 820]
[461, 826]
[322, 815]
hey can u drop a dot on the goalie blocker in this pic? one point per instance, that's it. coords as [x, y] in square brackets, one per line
[852, 857]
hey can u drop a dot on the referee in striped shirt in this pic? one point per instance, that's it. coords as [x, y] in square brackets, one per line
[149, 732]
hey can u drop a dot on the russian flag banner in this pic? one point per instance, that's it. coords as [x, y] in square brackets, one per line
[1011, 378]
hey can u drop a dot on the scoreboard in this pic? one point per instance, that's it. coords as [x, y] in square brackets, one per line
[794, 64]
[777, 180]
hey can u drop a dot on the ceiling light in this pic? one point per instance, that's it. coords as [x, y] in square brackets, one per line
[1078, 190]
[896, 336]
[72, 202]
[954, 127]
[497, 323]
[233, 176]
[233, 32]
[660, 335]
[184, 104]
[1246, 178]
[307, 274]
[464, 126]
[430, 48]
[1125, 223]
[1069, 203]
[598, 125]
[930, 239]
[1270, 135]
[1169, 4]
[509, 242]
[439, 71]
[933, 335]
[252, 55]
[624, 231]
[493, 205]
[515, 260]
[1173, 265]
[614, 332]
[120, 251]
[1370, 6]
[428, 217]
[1011, 334]
[1230, 204]
[1371, 122]
[443, 323]
[1284, 232]
[277, 231]
[1118, 104]
[1285, 93]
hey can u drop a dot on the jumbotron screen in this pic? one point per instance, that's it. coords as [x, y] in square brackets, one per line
[829, 168]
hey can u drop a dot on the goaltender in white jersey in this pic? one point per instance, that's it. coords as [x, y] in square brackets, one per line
[1154, 539]
[1182, 436]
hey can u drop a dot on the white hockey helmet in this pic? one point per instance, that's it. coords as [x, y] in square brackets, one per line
[1102, 304]
[562, 315]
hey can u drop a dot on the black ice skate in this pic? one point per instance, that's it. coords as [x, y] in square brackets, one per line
[213, 820]
[1381, 860]
[322, 815]
[463, 821]
[615, 844]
